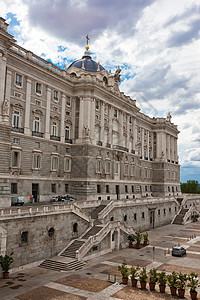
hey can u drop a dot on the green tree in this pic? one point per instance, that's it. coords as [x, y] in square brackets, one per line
[191, 187]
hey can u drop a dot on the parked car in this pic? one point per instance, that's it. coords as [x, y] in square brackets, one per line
[68, 198]
[178, 251]
[17, 200]
[57, 198]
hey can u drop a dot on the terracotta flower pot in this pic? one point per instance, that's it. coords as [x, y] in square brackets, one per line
[152, 286]
[130, 245]
[181, 293]
[5, 275]
[125, 280]
[137, 246]
[173, 291]
[134, 282]
[143, 284]
[162, 288]
[145, 243]
[193, 295]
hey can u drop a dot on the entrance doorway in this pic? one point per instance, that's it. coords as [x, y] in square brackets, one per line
[152, 218]
[35, 191]
[117, 191]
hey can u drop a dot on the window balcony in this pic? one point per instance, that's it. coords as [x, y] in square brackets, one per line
[69, 141]
[18, 129]
[120, 148]
[55, 138]
[38, 134]
[99, 143]
[108, 145]
[133, 151]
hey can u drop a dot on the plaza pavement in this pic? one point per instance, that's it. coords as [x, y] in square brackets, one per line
[100, 279]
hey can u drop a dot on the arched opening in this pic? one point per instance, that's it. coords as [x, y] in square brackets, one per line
[105, 80]
[75, 227]
[51, 232]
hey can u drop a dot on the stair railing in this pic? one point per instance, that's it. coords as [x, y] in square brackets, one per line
[97, 238]
[79, 212]
[176, 214]
[192, 210]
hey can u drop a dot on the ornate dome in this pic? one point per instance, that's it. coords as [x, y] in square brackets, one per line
[87, 63]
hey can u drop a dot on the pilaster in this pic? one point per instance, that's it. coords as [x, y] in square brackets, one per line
[6, 104]
[62, 125]
[102, 123]
[27, 130]
[2, 81]
[48, 108]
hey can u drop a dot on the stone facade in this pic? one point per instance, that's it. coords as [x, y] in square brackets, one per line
[73, 131]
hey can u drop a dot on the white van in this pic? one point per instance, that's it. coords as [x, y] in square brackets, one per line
[17, 200]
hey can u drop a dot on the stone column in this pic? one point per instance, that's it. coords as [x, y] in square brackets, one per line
[73, 118]
[81, 119]
[62, 124]
[110, 116]
[91, 112]
[120, 128]
[172, 147]
[158, 146]
[128, 133]
[2, 81]
[142, 143]
[7, 95]
[48, 108]
[148, 145]
[175, 150]
[102, 123]
[168, 147]
[27, 130]
[134, 134]
[152, 145]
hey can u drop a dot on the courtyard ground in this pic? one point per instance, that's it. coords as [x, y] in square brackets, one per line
[100, 279]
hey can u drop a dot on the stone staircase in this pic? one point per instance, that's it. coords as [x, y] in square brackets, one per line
[67, 260]
[179, 218]
[71, 250]
[62, 264]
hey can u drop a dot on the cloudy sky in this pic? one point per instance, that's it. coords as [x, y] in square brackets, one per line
[156, 43]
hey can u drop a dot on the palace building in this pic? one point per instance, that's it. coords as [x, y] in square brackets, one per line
[74, 132]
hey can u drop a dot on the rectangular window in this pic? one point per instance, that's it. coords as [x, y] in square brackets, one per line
[17, 95]
[13, 188]
[24, 237]
[142, 215]
[18, 80]
[98, 166]
[126, 189]
[37, 124]
[54, 129]
[132, 187]
[67, 132]
[36, 161]
[38, 88]
[66, 188]
[115, 113]
[126, 169]
[108, 167]
[37, 102]
[116, 168]
[55, 163]
[16, 119]
[53, 188]
[159, 212]
[15, 162]
[68, 101]
[16, 141]
[68, 165]
[55, 95]
[135, 216]
[107, 189]
[97, 105]
[98, 188]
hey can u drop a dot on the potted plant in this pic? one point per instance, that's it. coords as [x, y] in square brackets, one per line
[143, 278]
[153, 279]
[146, 238]
[134, 274]
[138, 238]
[130, 239]
[193, 284]
[181, 284]
[124, 271]
[162, 279]
[5, 262]
[172, 282]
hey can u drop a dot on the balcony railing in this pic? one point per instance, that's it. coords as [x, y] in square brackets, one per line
[54, 137]
[133, 151]
[108, 145]
[120, 148]
[18, 129]
[99, 143]
[68, 141]
[38, 134]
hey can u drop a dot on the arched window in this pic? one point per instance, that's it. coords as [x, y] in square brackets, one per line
[105, 80]
[75, 227]
[51, 232]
